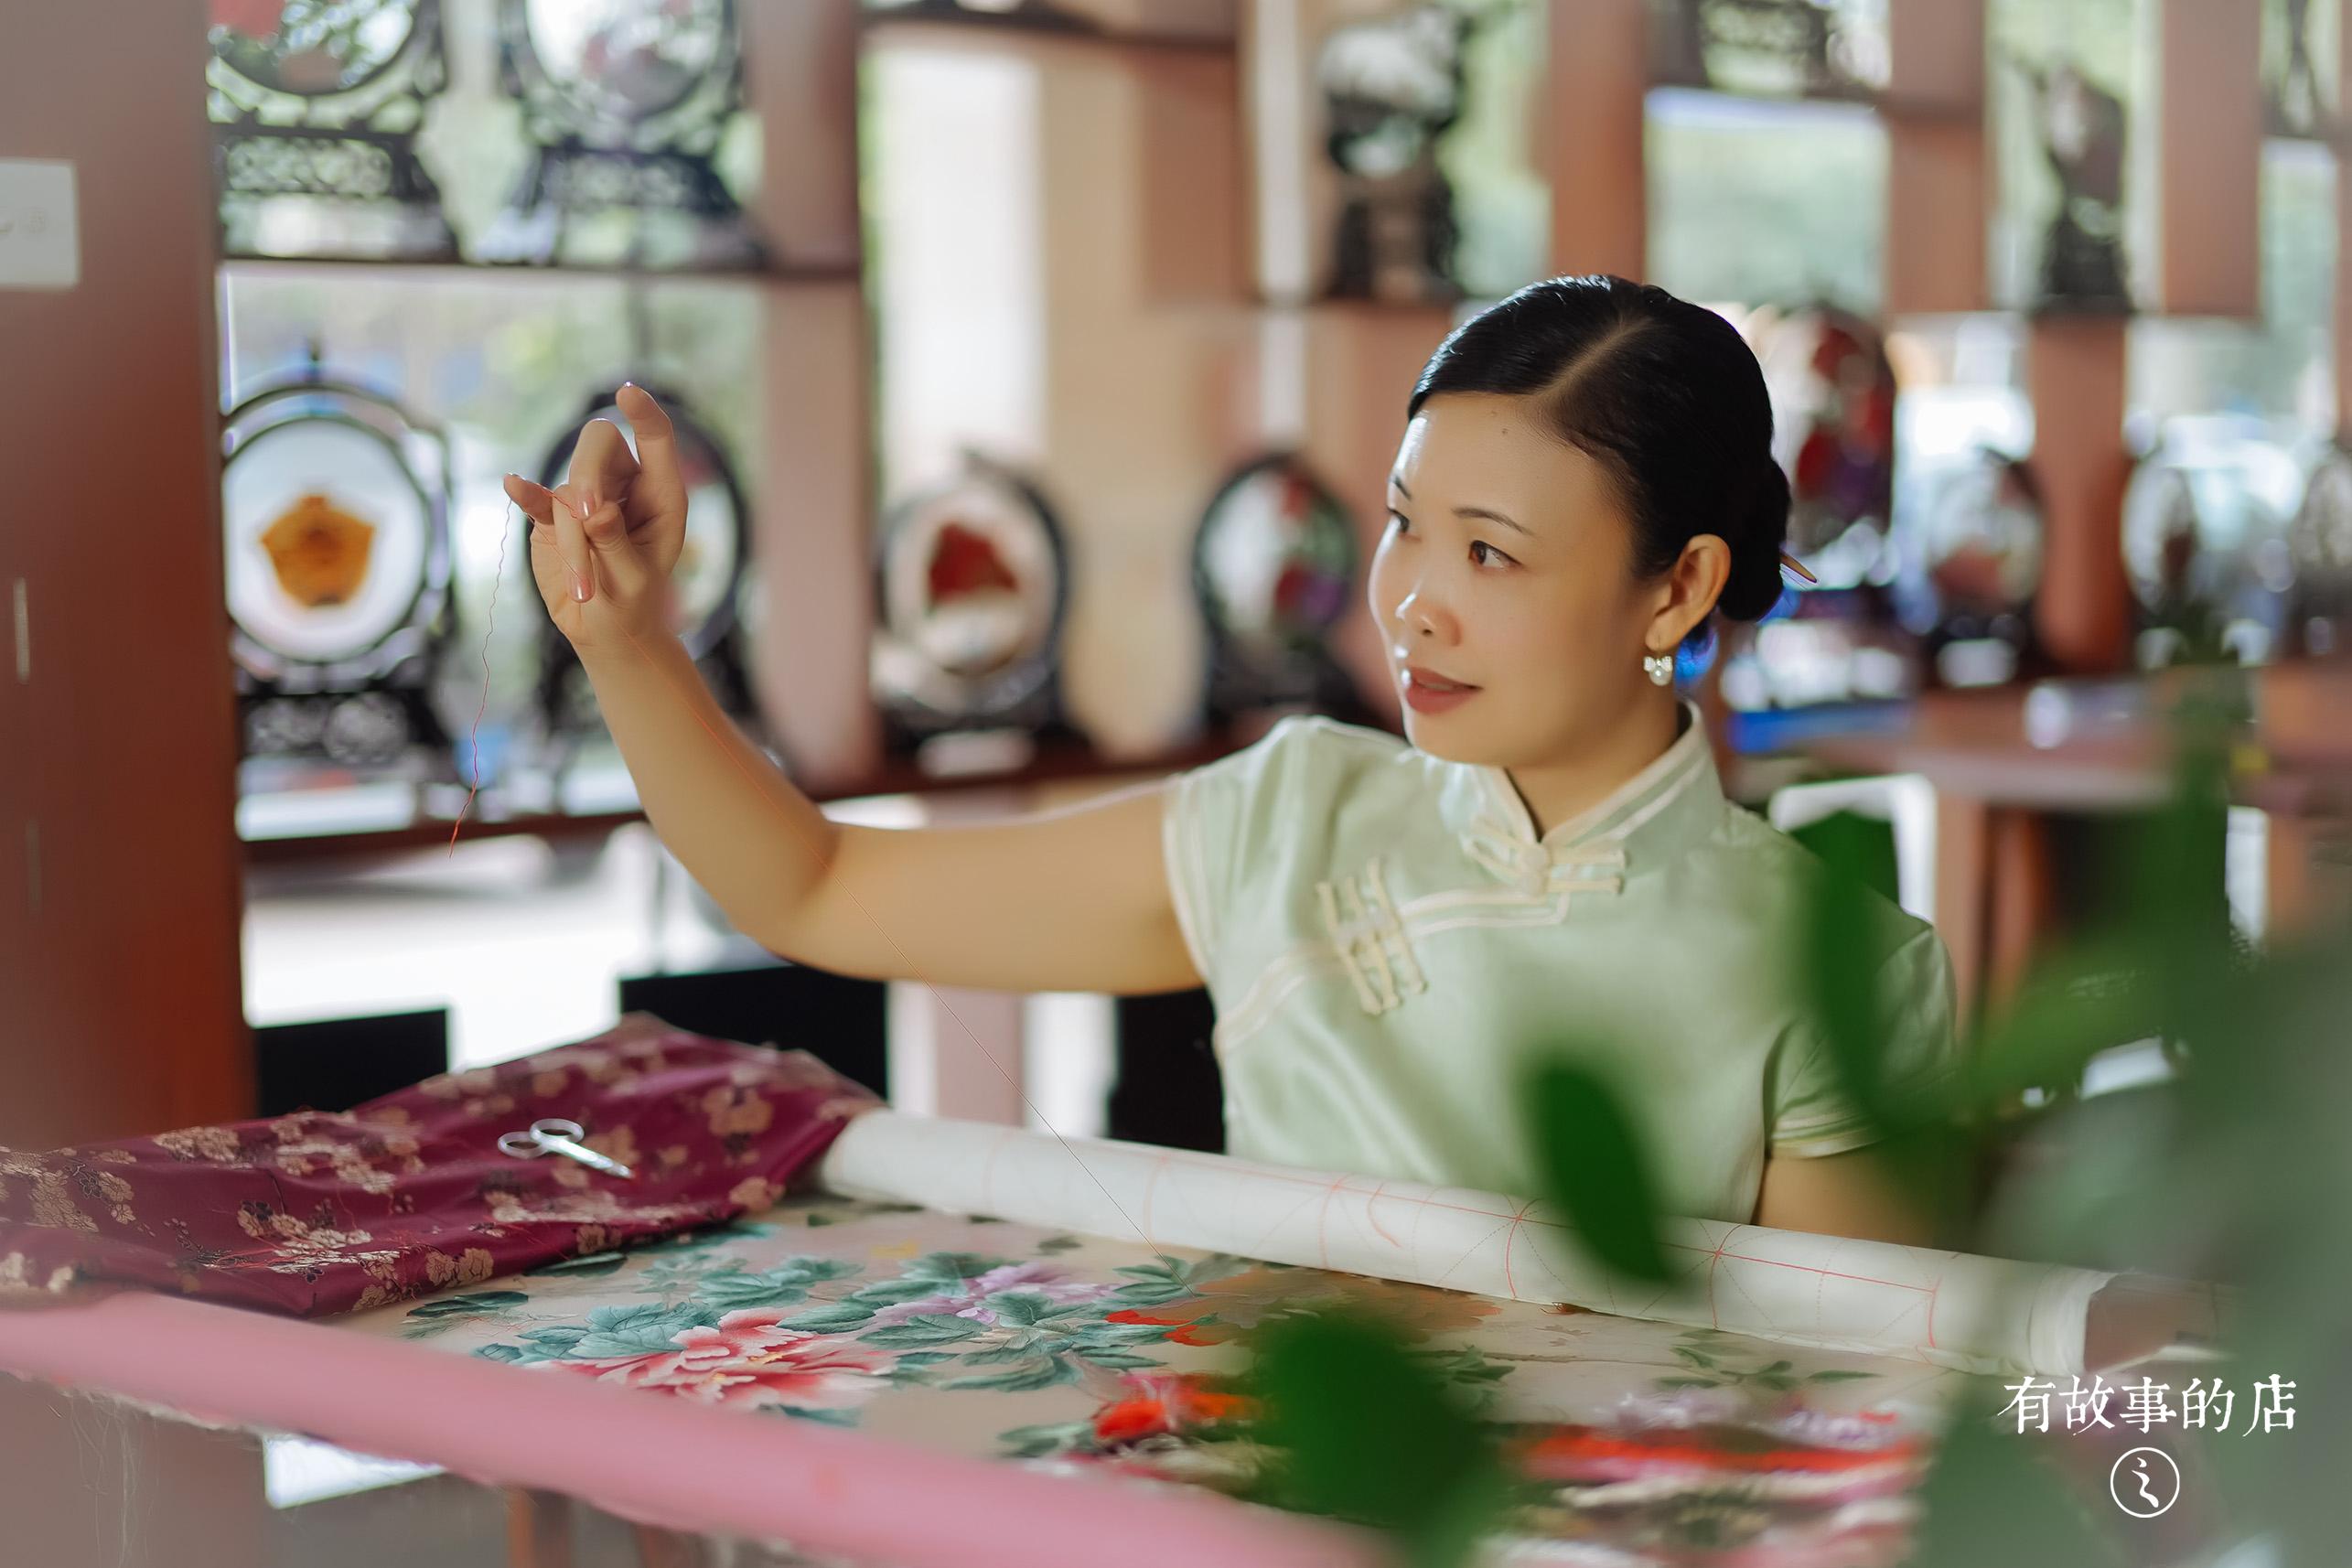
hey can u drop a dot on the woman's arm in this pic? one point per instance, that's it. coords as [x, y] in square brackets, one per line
[1069, 900]
[1854, 1194]
[1074, 899]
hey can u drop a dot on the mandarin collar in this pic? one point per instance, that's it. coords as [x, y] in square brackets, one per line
[1641, 823]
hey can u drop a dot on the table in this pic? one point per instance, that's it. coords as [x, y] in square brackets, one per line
[1050, 1398]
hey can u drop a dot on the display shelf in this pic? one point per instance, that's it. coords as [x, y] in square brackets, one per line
[371, 816]
[945, 25]
[2081, 745]
[352, 266]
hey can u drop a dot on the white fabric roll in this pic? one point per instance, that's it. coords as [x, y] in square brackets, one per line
[1952, 1309]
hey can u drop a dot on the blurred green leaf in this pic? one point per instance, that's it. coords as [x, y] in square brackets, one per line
[1840, 949]
[2082, 999]
[1371, 1432]
[1593, 1166]
[1992, 1499]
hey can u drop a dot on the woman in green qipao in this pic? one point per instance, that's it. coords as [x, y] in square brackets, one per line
[1388, 926]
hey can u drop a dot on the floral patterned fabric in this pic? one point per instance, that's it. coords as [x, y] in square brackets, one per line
[317, 1213]
[1634, 1443]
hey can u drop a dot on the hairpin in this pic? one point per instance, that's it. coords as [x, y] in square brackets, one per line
[1790, 563]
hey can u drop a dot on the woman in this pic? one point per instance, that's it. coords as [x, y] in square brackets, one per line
[1389, 929]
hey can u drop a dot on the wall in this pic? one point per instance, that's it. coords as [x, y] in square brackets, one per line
[120, 1006]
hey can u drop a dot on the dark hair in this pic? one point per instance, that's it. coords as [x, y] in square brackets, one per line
[1664, 394]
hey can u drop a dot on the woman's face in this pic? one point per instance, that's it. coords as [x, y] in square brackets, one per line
[1506, 566]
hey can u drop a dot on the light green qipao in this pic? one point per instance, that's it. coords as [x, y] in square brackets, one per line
[1386, 941]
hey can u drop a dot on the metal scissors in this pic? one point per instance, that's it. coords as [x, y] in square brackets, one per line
[553, 1135]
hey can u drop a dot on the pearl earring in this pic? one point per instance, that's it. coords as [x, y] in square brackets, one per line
[1660, 667]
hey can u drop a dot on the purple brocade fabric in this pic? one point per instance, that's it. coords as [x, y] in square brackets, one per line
[318, 1213]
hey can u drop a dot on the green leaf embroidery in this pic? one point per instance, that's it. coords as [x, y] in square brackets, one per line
[1045, 1374]
[832, 1319]
[1129, 1333]
[823, 1417]
[478, 1304]
[785, 1285]
[639, 1330]
[943, 1266]
[890, 1293]
[556, 1341]
[935, 1328]
[711, 1236]
[589, 1265]
[1020, 1308]
[1037, 1441]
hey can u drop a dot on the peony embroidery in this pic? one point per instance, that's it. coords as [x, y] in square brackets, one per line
[969, 1297]
[746, 1360]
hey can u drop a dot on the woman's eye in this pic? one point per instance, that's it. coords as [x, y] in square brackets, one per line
[1397, 518]
[1500, 558]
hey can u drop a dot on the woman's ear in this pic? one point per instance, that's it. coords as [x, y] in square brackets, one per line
[1692, 584]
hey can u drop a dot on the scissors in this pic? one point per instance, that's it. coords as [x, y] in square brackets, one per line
[553, 1135]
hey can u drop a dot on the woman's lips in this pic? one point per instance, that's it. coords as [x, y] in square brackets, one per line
[1426, 693]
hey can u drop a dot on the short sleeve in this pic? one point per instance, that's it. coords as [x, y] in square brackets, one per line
[1211, 817]
[1809, 1115]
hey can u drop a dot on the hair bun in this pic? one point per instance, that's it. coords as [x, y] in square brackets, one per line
[1755, 538]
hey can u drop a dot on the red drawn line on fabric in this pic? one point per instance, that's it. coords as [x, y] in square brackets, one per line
[1370, 1226]
[1323, 1220]
[1475, 1248]
[1885, 1330]
[1816, 1269]
[1260, 1174]
[1268, 1234]
[1733, 1280]
[1510, 1281]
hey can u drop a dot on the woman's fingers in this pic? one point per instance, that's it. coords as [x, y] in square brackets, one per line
[537, 501]
[657, 448]
[572, 542]
[622, 569]
[601, 463]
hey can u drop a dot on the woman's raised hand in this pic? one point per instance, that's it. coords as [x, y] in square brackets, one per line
[604, 542]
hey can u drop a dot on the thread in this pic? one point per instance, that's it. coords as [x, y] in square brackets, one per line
[489, 627]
